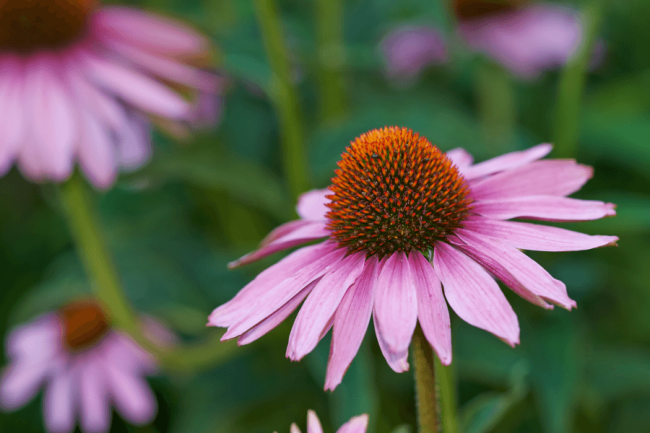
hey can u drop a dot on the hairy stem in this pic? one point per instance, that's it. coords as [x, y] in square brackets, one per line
[425, 384]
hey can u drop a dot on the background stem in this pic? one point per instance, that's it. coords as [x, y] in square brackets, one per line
[284, 97]
[425, 384]
[496, 106]
[330, 57]
[572, 83]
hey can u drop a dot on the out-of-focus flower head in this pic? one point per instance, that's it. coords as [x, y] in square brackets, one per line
[409, 49]
[86, 367]
[82, 83]
[358, 424]
[526, 38]
[399, 219]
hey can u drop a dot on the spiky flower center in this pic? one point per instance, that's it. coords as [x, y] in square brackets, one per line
[84, 324]
[30, 25]
[473, 9]
[395, 191]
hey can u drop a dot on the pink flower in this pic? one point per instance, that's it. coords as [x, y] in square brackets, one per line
[85, 366]
[358, 424]
[79, 84]
[408, 50]
[399, 219]
[526, 40]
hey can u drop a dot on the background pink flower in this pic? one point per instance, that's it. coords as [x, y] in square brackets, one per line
[409, 49]
[358, 424]
[81, 84]
[85, 366]
[402, 221]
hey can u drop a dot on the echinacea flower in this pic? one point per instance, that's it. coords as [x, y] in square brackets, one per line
[409, 49]
[399, 219]
[358, 424]
[81, 83]
[85, 366]
[525, 38]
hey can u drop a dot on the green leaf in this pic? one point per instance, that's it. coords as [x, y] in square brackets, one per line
[617, 372]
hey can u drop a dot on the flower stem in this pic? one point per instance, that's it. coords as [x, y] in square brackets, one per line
[87, 235]
[284, 97]
[425, 384]
[330, 57]
[496, 106]
[572, 83]
[447, 390]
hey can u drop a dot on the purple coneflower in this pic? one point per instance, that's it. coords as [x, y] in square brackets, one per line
[524, 38]
[399, 219]
[85, 365]
[358, 424]
[79, 82]
[409, 49]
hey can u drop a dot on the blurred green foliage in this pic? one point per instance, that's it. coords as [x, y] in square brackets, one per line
[175, 224]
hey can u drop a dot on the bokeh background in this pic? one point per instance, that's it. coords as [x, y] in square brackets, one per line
[174, 225]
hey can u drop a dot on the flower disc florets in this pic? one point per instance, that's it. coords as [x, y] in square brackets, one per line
[29, 25]
[472, 9]
[84, 324]
[395, 191]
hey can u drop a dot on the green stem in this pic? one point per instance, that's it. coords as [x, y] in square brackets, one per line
[496, 106]
[447, 389]
[425, 384]
[572, 83]
[87, 235]
[331, 57]
[284, 97]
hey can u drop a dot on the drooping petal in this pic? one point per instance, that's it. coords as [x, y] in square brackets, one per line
[95, 411]
[396, 310]
[433, 313]
[536, 237]
[350, 323]
[301, 235]
[132, 395]
[137, 89]
[123, 353]
[134, 147]
[21, 380]
[59, 402]
[281, 231]
[283, 292]
[97, 153]
[240, 305]
[320, 306]
[396, 361]
[518, 271]
[312, 204]
[474, 295]
[276, 318]
[358, 424]
[557, 177]
[313, 423]
[43, 333]
[509, 161]
[294, 428]
[461, 158]
[542, 207]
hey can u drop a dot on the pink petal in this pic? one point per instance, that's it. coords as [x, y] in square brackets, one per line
[312, 205]
[123, 353]
[294, 428]
[132, 395]
[313, 423]
[12, 113]
[461, 158]
[548, 208]
[433, 313]
[93, 396]
[396, 311]
[59, 402]
[275, 297]
[301, 235]
[97, 154]
[55, 130]
[518, 271]
[321, 305]
[350, 323]
[276, 318]
[36, 340]
[509, 161]
[282, 231]
[550, 177]
[20, 382]
[397, 361]
[165, 68]
[231, 311]
[474, 295]
[134, 147]
[536, 237]
[358, 424]
[149, 31]
[137, 89]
